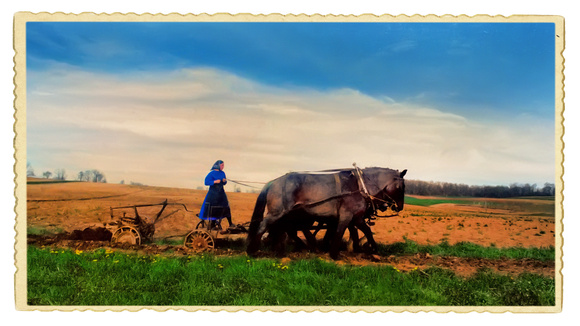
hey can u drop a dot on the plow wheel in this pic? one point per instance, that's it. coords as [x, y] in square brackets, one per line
[199, 240]
[126, 234]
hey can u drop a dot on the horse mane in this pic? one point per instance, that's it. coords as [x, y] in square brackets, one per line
[380, 168]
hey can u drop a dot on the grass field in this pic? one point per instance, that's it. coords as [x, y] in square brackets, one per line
[467, 249]
[410, 200]
[547, 202]
[103, 277]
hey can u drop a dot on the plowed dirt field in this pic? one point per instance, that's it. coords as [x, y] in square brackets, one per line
[57, 209]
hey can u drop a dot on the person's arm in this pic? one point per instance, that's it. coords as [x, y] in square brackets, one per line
[210, 180]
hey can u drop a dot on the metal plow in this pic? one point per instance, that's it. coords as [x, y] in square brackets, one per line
[133, 228]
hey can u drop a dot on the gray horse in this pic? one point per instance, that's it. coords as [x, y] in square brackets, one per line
[342, 199]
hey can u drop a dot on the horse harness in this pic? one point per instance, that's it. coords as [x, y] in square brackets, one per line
[363, 190]
[370, 198]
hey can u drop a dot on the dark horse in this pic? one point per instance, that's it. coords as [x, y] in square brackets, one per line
[343, 199]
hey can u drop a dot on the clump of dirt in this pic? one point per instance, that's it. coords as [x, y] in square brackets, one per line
[89, 234]
[98, 234]
[461, 266]
[469, 266]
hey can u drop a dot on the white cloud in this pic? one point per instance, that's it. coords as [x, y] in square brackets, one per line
[167, 128]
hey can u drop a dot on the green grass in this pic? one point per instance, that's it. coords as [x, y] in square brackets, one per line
[30, 182]
[62, 277]
[431, 201]
[546, 198]
[467, 250]
[544, 209]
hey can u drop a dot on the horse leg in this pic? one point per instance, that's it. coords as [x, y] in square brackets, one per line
[278, 237]
[293, 234]
[330, 232]
[310, 239]
[337, 240]
[354, 237]
[368, 234]
[256, 239]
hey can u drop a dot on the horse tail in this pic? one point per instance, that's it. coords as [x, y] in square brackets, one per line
[257, 218]
[258, 214]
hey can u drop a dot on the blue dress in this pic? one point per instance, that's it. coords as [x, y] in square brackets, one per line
[215, 205]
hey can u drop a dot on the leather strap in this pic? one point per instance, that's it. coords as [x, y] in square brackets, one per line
[338, 184]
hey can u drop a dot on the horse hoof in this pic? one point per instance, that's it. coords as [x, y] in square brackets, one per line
[252, 253]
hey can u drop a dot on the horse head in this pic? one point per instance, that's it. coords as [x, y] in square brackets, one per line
[389, 188]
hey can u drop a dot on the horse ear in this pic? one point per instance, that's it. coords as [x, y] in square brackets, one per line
[403, 173]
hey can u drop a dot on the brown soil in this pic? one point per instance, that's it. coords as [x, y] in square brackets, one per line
[457, 223]
[80, 216]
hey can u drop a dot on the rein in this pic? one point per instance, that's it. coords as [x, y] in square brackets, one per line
[372, 198]
[245, 183]
[325, 200]
[363, 191]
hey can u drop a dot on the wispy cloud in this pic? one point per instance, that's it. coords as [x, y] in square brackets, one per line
[405, 45]
[167, 128]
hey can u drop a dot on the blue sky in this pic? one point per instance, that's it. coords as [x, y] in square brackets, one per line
[458, 102]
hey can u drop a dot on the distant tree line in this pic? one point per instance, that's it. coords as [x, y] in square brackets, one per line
[132, 183]
[60, 174]
[430, 188]
[92, 176]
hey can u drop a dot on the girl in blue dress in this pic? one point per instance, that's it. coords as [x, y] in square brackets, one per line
[216, 205]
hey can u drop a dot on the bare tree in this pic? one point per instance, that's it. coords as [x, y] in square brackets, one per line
[60, 174]
[92, 176]
[98, 176]
[29, 170]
